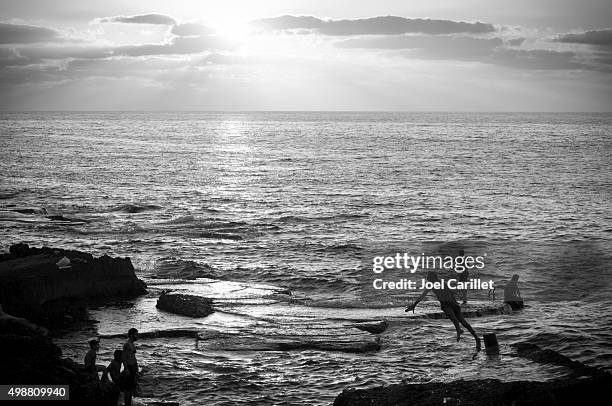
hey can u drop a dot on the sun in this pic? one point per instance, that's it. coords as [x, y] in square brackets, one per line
[232, 28]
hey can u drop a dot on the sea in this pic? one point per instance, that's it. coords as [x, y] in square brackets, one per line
[241, 204]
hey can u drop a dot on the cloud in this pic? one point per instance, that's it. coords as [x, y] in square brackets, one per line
[177, 46]
[157, 19]
[484, 50]
[10, 57]
[516, 41]
[430, 47]
[190, 29]
[542, 59]
[288, 22]
[26, 34]
[36, 54]
[387, 25]
[597, 37]
[443, 43]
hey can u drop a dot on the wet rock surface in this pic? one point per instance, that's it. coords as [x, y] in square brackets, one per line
[185, 305]
[287, 337]
[584, 385]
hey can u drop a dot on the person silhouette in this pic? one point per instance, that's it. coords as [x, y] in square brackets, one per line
[130, 364]
[449, 305]
[113, 369]
[512, 294]
[91, 356]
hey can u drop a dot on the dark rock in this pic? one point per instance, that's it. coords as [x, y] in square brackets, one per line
[585, 385]
[171, 333]
[32, 286]
[547, 356]
[30, 359]
[19, 250]
[486, 392]
[285, 338]
[185, 305]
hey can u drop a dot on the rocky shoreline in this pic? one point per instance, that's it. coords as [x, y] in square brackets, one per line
[33, 359]
[584, 385]
[48, 285]
[35, 287]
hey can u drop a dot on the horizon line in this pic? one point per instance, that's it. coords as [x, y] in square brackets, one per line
[312, 111]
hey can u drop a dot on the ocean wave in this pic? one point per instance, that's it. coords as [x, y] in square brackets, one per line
[310, 219]
[173, 268]
[8, 195]
[346, 247]
[27, 210]
[347, 304]
[214, 222]
[214, 228]
[135, 208]
[219, 236]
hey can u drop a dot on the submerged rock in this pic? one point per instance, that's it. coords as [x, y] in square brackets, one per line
[547, 356]
[287, 338]
[185, 305]
[374, 327]
[32, 285]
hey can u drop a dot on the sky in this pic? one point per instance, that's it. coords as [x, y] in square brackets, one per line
[400, 55]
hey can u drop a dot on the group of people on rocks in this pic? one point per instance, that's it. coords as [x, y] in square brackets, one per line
[127, 379]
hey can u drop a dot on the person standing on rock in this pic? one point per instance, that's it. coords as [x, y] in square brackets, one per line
[91, 356]
[512, 294]
[449, 305]
[128, 357]
[114, 369]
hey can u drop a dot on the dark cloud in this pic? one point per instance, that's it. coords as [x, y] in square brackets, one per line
[597, 37]
[158, 19]
[190, 29]
[26, 34]
[388, 25]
